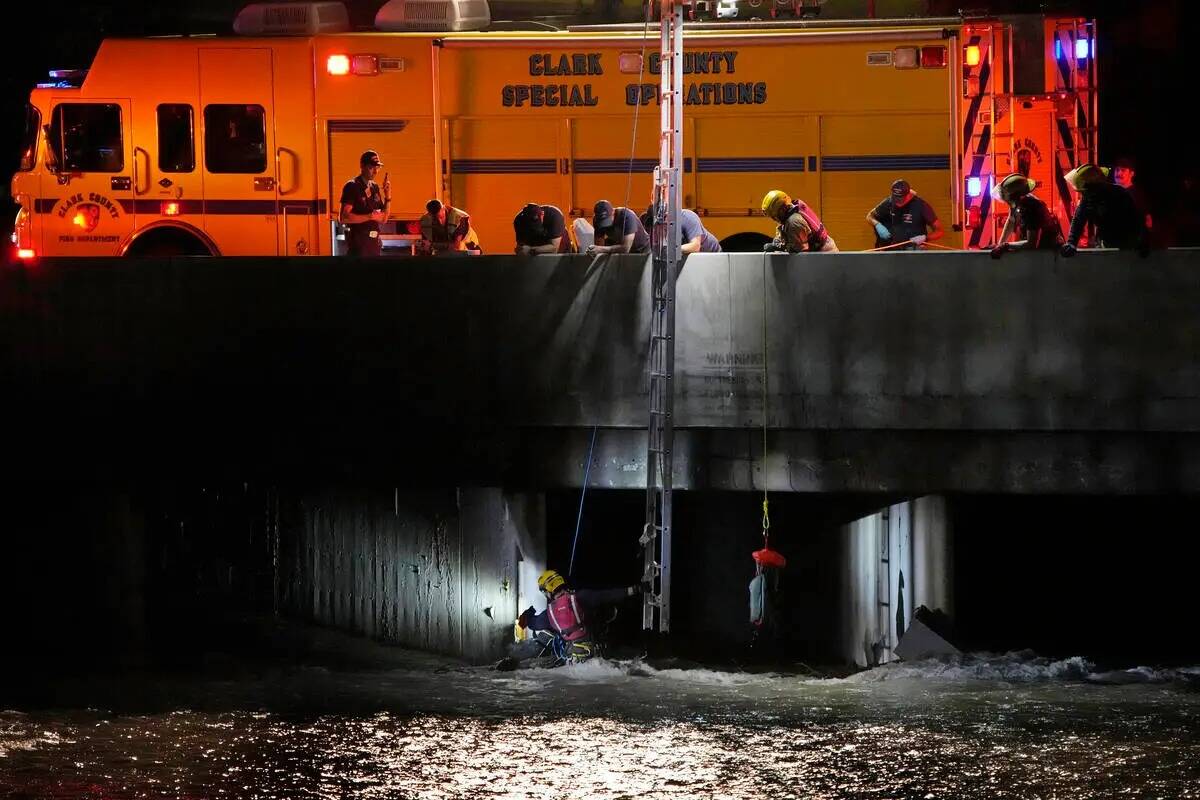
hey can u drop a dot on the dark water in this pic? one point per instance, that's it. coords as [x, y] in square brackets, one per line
[361, 721]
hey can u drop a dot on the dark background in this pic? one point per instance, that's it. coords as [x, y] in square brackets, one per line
[1144, 50]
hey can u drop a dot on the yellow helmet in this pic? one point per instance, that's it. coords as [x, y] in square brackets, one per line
[774, 202]
[1014, 186]
[550, 581]
[1085, 174]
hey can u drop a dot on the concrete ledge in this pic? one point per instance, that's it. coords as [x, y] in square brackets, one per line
[267, 361]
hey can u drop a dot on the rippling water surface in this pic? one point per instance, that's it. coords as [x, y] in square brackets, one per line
[409, 725]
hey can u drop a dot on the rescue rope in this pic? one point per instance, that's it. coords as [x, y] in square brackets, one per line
[638, 107]
[908, 242]
[587, 471]
[766, 511]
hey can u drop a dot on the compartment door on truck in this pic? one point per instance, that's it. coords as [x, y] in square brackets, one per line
[238, 123]
[497, 166]
[600, 169]
[405, 147]
[862, 154]
[740, 158]
[87, 202]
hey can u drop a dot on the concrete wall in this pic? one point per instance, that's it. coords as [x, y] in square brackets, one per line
[889, 563]
[431, 569]
[434, 368]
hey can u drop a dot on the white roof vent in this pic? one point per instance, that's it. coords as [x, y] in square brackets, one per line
[433, 15]
[291, 19]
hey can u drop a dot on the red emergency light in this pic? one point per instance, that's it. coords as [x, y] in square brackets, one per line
[933, 57]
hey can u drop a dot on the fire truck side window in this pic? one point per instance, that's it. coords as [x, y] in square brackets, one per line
[235, 139]
[29, 139]
[176, 146]
[88, 136]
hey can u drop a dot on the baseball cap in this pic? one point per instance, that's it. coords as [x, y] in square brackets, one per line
[370, 158]
[604, 215]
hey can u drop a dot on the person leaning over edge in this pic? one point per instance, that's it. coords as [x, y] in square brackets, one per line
[444, 228]
[1035, 225]
[798, 228]
[621, 230]
[540, 230]
[694, 237]
[1107, 206]
[365, 206]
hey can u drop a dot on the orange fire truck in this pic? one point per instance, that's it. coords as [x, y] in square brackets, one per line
[240, 145]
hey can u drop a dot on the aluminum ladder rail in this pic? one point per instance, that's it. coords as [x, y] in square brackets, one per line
[668, 196]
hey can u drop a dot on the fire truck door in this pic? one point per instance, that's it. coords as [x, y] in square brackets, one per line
[87, 201]
[238, 123]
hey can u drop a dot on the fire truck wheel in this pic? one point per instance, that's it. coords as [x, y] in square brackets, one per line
[165, 242]
[744, 243]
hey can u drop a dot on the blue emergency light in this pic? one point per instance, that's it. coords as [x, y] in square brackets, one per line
[974, 187]
[1084, 48]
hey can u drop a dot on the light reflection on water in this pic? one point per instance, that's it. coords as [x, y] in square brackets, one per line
[429, 729]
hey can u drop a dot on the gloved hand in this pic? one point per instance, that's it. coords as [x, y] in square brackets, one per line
[882, 232]
[918, 240]
[775, 246]
[999, 250]
[526, 617]
[1068, 250]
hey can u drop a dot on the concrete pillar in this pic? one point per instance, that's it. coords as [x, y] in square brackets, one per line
[933, 555]
[890, 562]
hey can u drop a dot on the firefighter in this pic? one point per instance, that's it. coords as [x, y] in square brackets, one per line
[694, 237]
[619, 230]
[566, 613]
[540, 229]
[902, 218]
[1108, 206]
[365, 206]
[800, 229]
[1124, 172]
[444, 228]
[1035, 226]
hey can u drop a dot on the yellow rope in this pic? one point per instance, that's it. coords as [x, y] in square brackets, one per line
[766, 513]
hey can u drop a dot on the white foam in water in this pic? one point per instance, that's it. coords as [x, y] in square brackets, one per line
[1147, 675]
[1016, 667]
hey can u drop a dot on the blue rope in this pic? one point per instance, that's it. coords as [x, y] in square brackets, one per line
[579, 517]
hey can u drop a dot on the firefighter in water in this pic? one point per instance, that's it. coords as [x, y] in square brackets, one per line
[800, 229]
[1107, 206]
[904, 219]
[567, 611]
[365, 206]
[1035, 226]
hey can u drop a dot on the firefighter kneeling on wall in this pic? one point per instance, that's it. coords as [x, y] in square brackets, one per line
[800, 229]
[566, 616]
